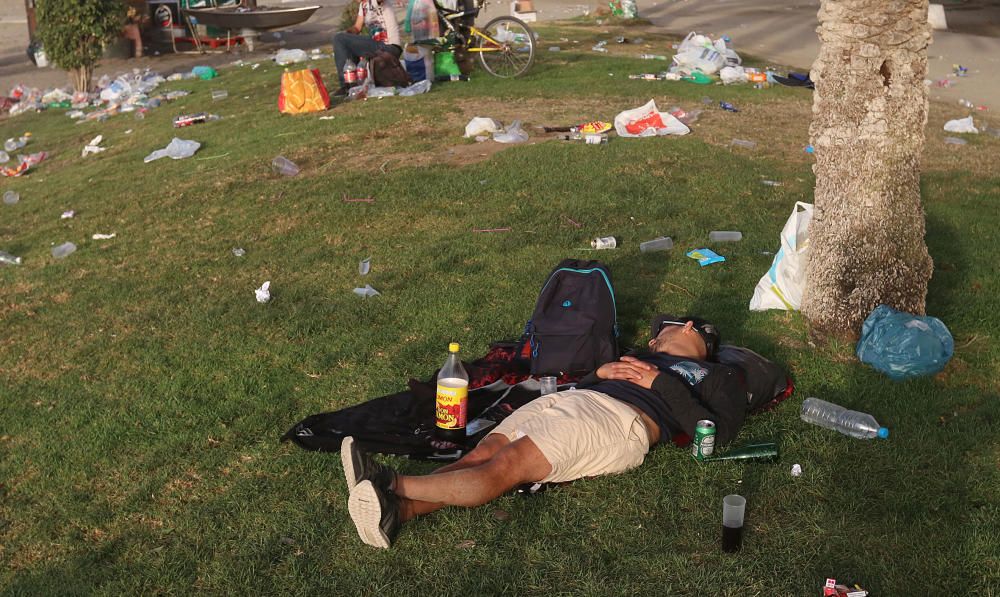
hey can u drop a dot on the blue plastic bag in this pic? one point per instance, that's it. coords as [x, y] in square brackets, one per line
[903, 345]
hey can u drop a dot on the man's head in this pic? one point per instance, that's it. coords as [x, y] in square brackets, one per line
[684, 337]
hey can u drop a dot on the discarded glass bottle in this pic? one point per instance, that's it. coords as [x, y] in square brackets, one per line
[756, 451]
[452, 404]
[849, 422]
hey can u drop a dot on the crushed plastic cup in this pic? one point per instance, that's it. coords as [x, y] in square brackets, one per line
[283, 166]
[11, 197]
[239, 251]
[64, 250]
[796, 470]
[366, 292]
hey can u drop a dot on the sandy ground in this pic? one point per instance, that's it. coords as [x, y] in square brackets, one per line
[783, 32]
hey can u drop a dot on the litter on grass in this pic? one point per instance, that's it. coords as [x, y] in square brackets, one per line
[961, 125]
[93, 147]
[480, 125]
[177, 149]
[705, 257]
[263, 294]
[365, 266]
[99, 236]
[366, 292]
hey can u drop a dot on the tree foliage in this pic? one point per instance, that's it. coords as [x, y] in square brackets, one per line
[74, 32]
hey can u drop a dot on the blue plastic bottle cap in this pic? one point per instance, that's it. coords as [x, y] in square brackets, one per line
[883, 432]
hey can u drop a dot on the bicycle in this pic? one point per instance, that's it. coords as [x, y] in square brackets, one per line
[505, 46]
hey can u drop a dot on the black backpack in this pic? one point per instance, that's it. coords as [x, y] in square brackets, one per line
[574, 327]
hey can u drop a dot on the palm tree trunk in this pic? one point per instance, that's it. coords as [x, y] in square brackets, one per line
[869, 112]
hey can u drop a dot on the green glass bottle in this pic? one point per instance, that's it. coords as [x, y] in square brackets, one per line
[755, 451]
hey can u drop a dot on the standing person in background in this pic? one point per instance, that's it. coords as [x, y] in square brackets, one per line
[380, 20]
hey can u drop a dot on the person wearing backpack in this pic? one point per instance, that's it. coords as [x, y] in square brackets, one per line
[605, 425]
[380, 20]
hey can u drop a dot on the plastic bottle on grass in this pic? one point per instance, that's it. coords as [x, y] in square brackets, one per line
[725, 236]
[64, 250]
[8, 259]
[452, 404]
[849, 422]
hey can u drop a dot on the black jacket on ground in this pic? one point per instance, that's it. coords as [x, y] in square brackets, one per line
[685, 391]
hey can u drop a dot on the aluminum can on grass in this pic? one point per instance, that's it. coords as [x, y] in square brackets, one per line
[606, 242]
[703, 443]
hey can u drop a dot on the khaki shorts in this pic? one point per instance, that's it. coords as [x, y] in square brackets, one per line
[581, 433]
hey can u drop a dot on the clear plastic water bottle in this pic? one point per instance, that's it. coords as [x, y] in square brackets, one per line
[663, 243]
[8, 259]
[849, 422]
[725, 236]
[64, 250]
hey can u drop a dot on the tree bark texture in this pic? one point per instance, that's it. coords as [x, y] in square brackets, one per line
[869, 113]
[81, 78]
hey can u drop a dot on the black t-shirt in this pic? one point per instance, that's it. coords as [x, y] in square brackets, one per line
[685, 391]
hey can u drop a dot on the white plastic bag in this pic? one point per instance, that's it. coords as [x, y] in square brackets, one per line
[782, 285]
[512, 134]
[177, 149]
[962, 125]
[731, 75]
[284, 57]
[698, 52]
[479, 125]
[636, 122]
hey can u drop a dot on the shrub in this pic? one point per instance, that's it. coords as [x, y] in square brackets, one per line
[74, 33]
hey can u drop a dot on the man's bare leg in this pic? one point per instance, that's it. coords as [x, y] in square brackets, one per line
[486, 449]
[517, 462]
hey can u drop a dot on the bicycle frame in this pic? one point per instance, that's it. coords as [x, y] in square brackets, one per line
[448, 16]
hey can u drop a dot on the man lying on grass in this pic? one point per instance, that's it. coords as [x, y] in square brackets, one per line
[604, 426]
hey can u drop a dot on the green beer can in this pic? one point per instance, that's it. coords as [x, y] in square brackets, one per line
[703, 443]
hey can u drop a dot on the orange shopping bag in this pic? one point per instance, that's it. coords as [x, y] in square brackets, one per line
[302, 91]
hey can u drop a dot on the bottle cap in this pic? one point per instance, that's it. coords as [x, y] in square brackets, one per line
[453, 347]
[883, 432]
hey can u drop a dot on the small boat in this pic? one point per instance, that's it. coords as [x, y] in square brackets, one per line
[257, 18]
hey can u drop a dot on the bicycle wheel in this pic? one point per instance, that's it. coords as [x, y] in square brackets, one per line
[506, 47]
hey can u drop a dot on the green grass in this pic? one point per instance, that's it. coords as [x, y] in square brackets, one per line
[144, 390]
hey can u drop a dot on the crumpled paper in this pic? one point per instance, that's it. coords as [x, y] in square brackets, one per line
[263, 293]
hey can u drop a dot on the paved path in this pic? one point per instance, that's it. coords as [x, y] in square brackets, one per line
[781, 32]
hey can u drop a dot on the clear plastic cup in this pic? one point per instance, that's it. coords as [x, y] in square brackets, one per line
[284, 166]
[11, 197]
[219, 94]
[733, 509]
[548, 385]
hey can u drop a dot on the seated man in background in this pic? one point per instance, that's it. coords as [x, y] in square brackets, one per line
[350, 45]
[604, 426]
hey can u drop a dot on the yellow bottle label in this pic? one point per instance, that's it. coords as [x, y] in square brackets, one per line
[452, 406]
